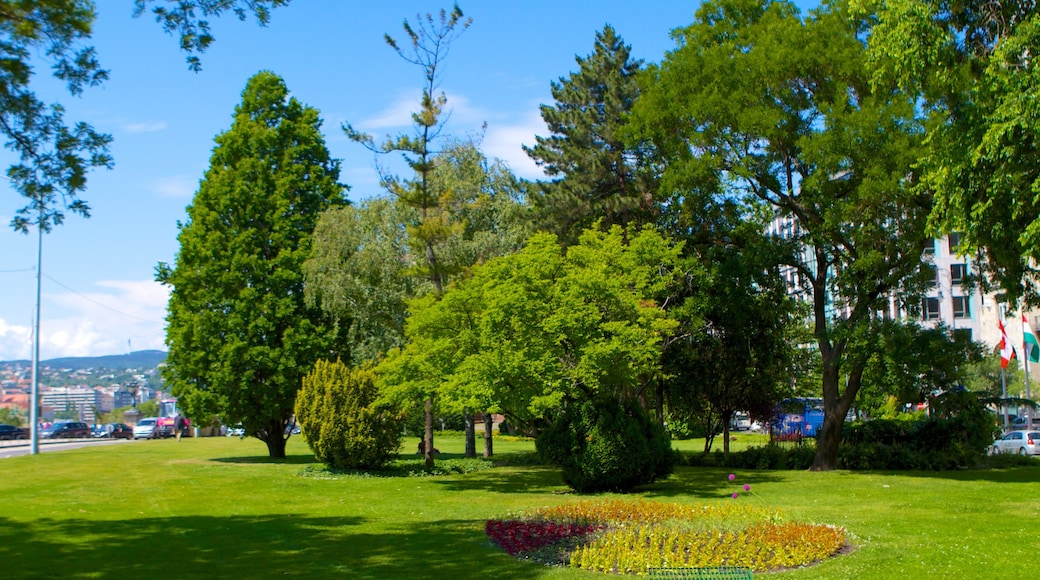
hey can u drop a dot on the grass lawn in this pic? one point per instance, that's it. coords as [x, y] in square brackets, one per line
[218, 508]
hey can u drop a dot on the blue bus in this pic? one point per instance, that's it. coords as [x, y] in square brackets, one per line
[798, 417]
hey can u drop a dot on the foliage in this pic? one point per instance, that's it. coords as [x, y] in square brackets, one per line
[771, 456]
[911, 363]
[606, 445]
[362, 268]
[54, 155]
[738, 344]
[762, 107]
[12, 416]
[954, 436]
[180, 19]
[969, 63]
[345, 428]
[240, 334]
[532, 329]
[624, 537]
[596, 176]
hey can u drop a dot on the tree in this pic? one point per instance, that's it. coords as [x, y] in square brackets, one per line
[740, 355]
[596, 175]
[911, 364]
[534, 329]
[972, 66]
[358, 273]
[54, 156]
[240, 334]
[759, 106]
[428, 44]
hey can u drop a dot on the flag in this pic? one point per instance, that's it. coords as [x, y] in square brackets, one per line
[1007, 351]
[1029, 343]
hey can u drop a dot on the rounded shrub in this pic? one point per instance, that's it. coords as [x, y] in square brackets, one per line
[606, 446]
[344, 426]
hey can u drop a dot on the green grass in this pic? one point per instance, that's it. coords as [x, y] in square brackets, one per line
[216, 508]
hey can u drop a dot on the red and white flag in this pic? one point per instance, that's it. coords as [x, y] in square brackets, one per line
[1007, 350]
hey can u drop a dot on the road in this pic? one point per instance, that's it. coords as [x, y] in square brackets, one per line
[22, 447]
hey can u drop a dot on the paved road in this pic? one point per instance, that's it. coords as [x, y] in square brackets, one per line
[22, 447]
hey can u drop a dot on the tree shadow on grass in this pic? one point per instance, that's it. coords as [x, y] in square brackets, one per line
[260, 459]
[1026, 474]
[510, 480]
[252, 547]
[706, 483]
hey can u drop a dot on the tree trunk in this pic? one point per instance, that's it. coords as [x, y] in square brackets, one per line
[471, 437]
[275, 446]
[488, 446]
[835, 407]
[428, 438]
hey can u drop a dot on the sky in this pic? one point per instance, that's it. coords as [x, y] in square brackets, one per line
[98, 293]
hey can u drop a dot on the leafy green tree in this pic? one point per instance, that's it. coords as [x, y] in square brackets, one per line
[534, 329]
[911, 363]
[428, 44]
[971, 64]
[54, 155]
[762, 107]
[740, 355]
[240, 334]
[596, 176]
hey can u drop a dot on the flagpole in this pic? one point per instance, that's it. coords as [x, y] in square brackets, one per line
[1003, 397]
[1028, 349]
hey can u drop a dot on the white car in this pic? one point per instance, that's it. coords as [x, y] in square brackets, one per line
[1020, 442]
[145, 428]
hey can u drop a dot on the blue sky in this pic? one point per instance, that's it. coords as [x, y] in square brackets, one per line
[99, 296]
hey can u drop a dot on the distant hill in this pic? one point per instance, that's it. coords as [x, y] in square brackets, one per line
[135, 360]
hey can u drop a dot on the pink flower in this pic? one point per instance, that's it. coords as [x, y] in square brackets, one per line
[735, 494]
[747, 487]
[732, 477]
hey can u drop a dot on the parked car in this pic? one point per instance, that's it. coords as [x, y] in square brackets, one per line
[65, 430]
[145, 428]
[1021, 442]
[98, 432]
[8, 432]
[119, 431]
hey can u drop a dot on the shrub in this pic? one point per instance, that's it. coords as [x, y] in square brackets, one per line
[606, 446]
[345, 427]
[764, 457]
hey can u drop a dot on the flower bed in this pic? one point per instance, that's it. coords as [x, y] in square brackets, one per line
[625, 537]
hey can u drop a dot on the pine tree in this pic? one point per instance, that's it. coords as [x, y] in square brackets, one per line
[596, 175]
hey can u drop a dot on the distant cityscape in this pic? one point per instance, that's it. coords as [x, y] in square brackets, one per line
[81, 387]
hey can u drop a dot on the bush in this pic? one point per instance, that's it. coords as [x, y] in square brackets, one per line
[606, 446]
[765, 457]
[346, 429]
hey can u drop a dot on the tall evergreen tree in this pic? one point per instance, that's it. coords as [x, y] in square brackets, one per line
[596, 176]
[239, 333]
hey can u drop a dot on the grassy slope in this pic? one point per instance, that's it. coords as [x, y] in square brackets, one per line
[217, 508]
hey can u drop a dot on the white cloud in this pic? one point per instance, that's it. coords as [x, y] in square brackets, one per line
[398, 114]
[147, 127]
[15, 341]
[175, 186]
[121, 316]
[506, 142]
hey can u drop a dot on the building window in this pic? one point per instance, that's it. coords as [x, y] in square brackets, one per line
[960, 307]
[935, 277]
[929, 248]
[957, 273]
[954, 243]
[931, 308]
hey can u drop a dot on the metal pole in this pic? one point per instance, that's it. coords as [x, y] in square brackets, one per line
[1003, 397]
[34, 398]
